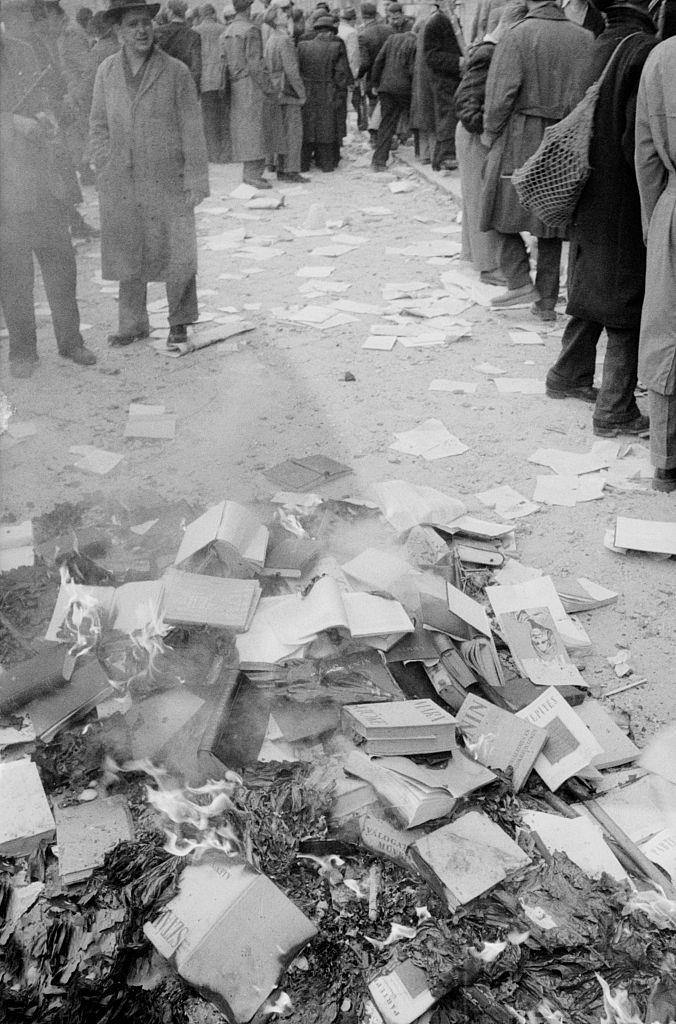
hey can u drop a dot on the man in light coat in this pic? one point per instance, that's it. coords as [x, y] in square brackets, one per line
[249, 90]
[535, 79]
[282, 62]
[656, 175]
[213, 112]
[148, 147]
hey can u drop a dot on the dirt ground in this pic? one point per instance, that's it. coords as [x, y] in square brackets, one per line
[284, 394]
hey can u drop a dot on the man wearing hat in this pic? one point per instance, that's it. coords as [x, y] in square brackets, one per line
[326, 75]
[372, 35]
[249, 92]
[392, 77]
[607, 261]
[33, 217]
[181, 41]
[148, 147]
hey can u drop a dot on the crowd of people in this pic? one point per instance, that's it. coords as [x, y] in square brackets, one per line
[139, 99]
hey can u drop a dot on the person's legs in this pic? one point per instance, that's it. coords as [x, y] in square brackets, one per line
[182, 300]
[573, 372]
[209, 103]
[547, 273]
[390, 109]
[306, 153]
[663, 440]
[514, 261]
[16, 287]
[132, 313]
[616, 404]
[325, 156]
[55, 254]
[252, 173]
[292, 119]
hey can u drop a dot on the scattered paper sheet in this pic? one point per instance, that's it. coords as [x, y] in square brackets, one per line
[406, 505]
[346, 239]
[525, 338]
[520, 386]
[645, 535]
[318, 272]
[380, 342]
[422, 340]
[319, 287]
[568, 463]
[206, 338]
[16, 545]
[150, 421]
[376, 211]
[270, 201]
[225, 240]
[562, 489]
[580, 838]
[350, 306]
[244, 192]
[489, 369]
[430, 439]
[507, 502]
[22, 430]
[94, 460]
[399, 187]
[332, 251]
[453, 387]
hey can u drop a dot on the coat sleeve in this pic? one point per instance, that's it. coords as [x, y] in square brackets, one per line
[342, 76]
[291, 70]
[193, 144]
[651, 174]
[441, 50]
[469, 99]
[379, 64]
[505, 78]
[253, 55]
[196, 59]
[99, 133]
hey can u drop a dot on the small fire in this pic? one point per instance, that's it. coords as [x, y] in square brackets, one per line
[82, 621]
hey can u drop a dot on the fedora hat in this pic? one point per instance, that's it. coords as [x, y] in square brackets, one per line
[117, 8]
[324, 21]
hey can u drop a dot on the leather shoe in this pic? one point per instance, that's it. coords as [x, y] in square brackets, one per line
[664, 480]
[178, 335]
[546, 315]
[292, 176]
[495, 277]
[120, 340]
[79, 354]
[516, 297]
[586, 393]
[22, 369]
[639, 425]
[258, 183]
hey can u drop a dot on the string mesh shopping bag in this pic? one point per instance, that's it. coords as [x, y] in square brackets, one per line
[551, 181]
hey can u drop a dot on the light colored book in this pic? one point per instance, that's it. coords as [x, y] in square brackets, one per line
[536, 646]
[570, 746]
[210, 600]
[460, 776]
[238, 538]
[582, 595]
[26, 820]
[400, 727]
[85, 833]
[499, 739]
[617, 747]
[412, 802]
[127, 608]
[467, 858]
[580, 838]
[645, 535]
[641, 808]
[403, 995]
[540, 593]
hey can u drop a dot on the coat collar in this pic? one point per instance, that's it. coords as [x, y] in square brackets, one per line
[156, 63]
[548, 11]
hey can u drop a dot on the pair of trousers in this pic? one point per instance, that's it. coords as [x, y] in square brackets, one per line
[326, 155]
[662, 410]
[391, 109]
[515, 265]
[424, 145]
[133, 313]
[43, 232]
[253, 169]
[575, 368]
[292, 128]
[213, 118]
[482, 247]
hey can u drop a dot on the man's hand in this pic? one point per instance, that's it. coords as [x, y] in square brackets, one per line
[194, 196]
[486, 140]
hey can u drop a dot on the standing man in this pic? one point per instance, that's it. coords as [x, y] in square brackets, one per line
[537, 75]
[282, 61]
[213, 111]
[249, 90]
[149, 150]
[607, 261]
[347, 31]
[372, 35]
[422, 100]
[442, 54]
[180, 41]
[392, 77]
[33, 219]
[326, 76]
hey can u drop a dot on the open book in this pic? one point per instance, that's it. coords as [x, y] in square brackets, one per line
[238, 538]
[127, 608]
[570, 746]
[210, 600]
[412, 802]
[468, 624]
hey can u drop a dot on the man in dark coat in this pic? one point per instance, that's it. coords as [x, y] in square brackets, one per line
[326, 76]
[442, 54]
[33, 220]
[536, 77]
[372, 35]
[391, 77]
[422, 100]
[180, 41]
[606, 273]
[148, 146]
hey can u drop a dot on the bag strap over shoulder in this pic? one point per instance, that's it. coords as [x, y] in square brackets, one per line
[612, 59]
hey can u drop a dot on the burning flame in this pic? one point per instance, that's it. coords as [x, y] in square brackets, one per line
[397, 933]
[480, 747]
[423, 914]
[82, 621]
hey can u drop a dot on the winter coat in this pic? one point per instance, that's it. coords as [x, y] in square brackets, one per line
[326, 76]
[606, 273]
[74, 46]
[180, 41]
[147, 151]
[371, 39]
[210, 33]
[249, 91]
[282, 62]
[441, 52]
[102, 48]
[422, 98]
[656, 173]
[471, 94]
[535, 79]
[392, 71]
[486, 16]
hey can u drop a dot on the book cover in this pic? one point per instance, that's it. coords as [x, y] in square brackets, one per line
[239, 539]
[500, 740]
[85, 833]
[570, 746]
[540, 593]
[617, 747]
[403, 995]
[210, 600]
[26, 820]
[582, 595]
[88, 687]
[460, 775]
[580, 838]
[537, 648]
[400, 727]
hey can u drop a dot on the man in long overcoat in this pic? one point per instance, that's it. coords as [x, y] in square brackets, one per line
[326, 76]
[372, 35]
[443, 58]
[606, 270]
[148, 147]
[535, 79]
[282, 61]
[422, 99]
[656, 174]
[249, 91]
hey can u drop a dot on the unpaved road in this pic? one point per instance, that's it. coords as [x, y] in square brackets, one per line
[284, 394]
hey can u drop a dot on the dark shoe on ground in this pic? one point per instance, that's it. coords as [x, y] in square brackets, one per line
[22, 369]
[292, 176]
[586, 393]
[121, 340]
[79, 354]
[664, 480]
[378, 167]
[516, 297]
[495, 277]
[178, 335]
[546, 315]
[639, 425]
[84, 230]
[259, 183]
[424, 160]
